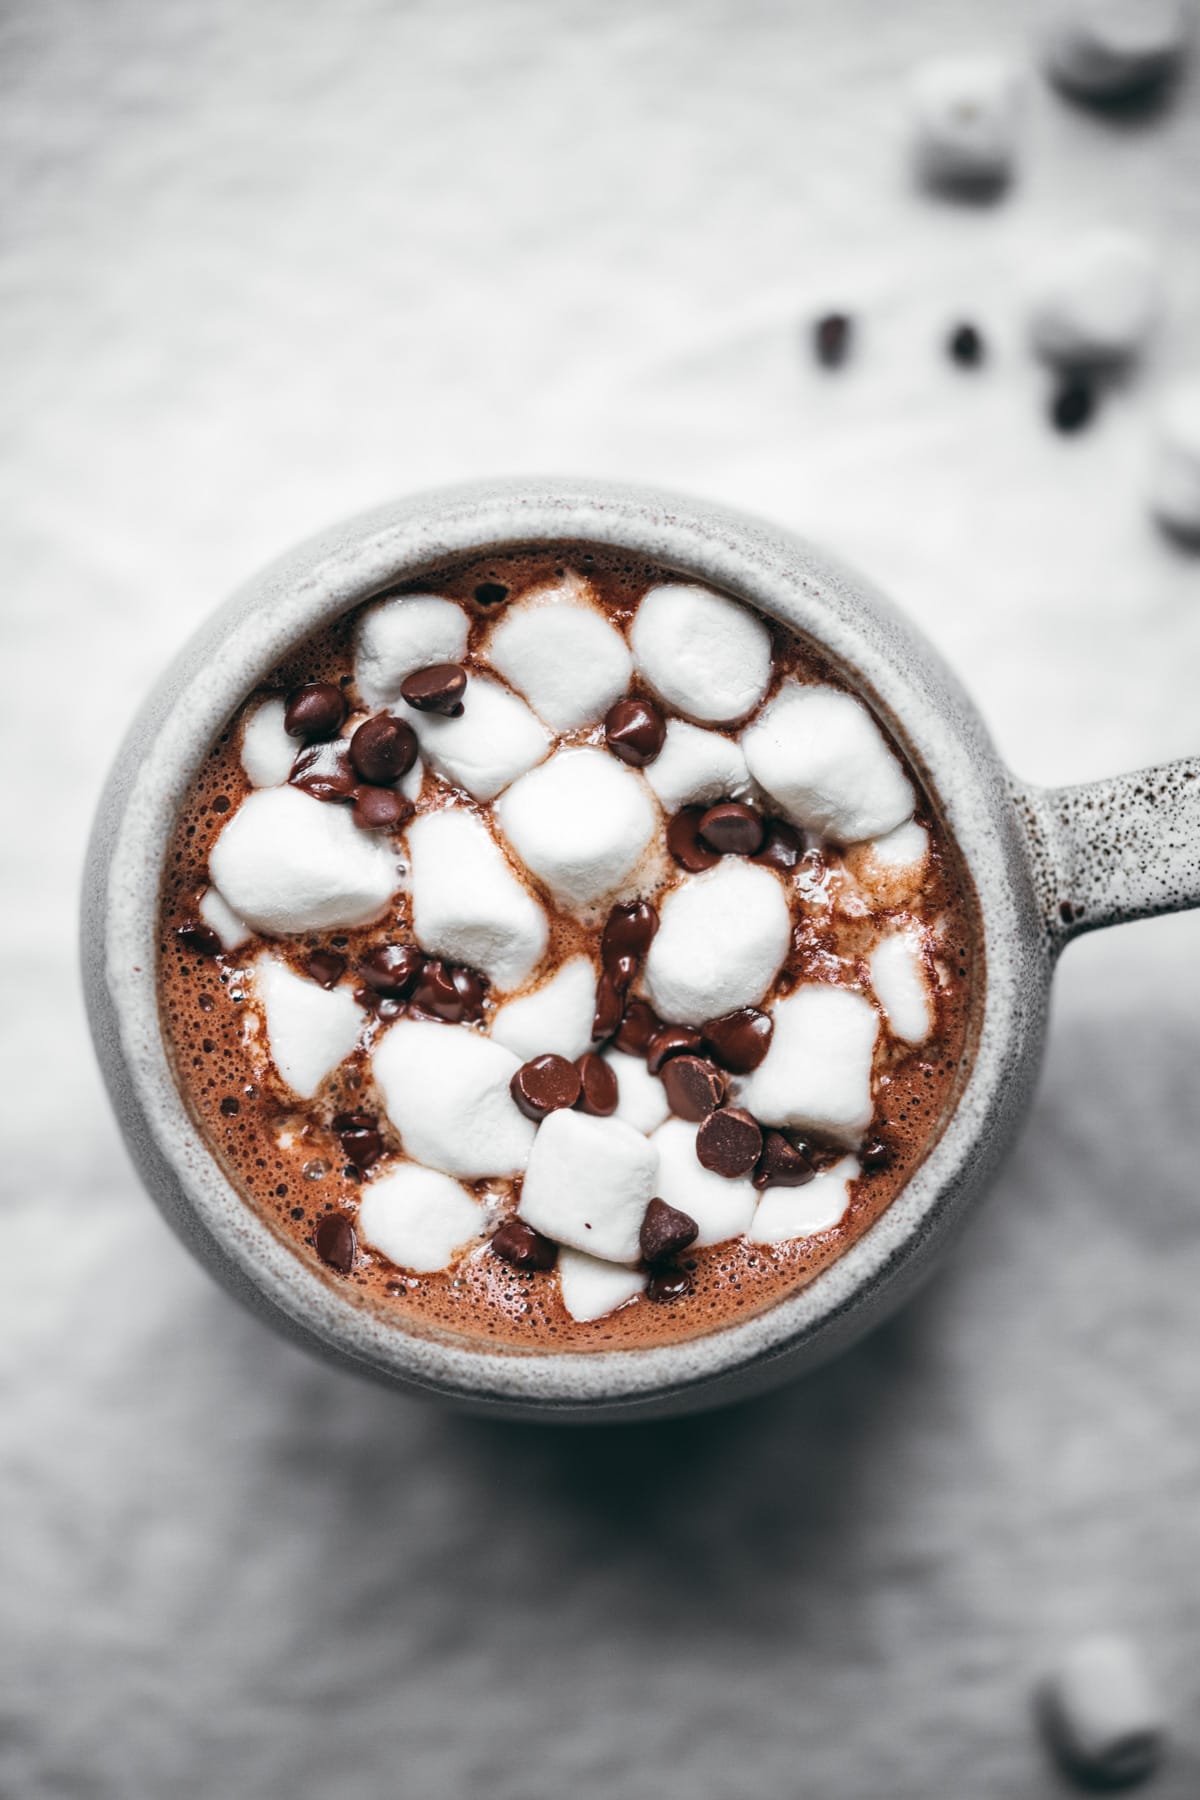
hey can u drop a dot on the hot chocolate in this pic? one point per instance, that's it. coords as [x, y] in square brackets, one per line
[560, 955]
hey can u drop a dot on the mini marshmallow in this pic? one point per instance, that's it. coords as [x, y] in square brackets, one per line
[721, 941]
[555, 1019]
[798, 1212]
[816, 1074]
[901, 983]
[905, 848]
[588, 1184]
[417, 1218]
[641, 1096]
[408, 632]
[722, 1209]
[705, 655]
[267, 751]
[825, 762]
[288, 863]
[966, 118]
[310, 1029]
[466, 902]
[495, 739]
[446, 1092]
[1101, 1713]
[220, 917]
[891, 868]
[1098, 300]
[557, 648]
[1175, 470]
[592, 1289]
[696, 767]
[1105, 49]
[581, 823]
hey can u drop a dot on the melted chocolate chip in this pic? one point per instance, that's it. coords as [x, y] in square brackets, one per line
[490, 593]
[324, 772]
[610, 1006]
[685, 843]
[671, 1040]
[436, 690]
[781, 1163]
[447, 993]
[598, 1085]
[335, 1243]
[668, 1284]
[628, 932]
[393, 969]
[875, 1155]
[635, 731]
[694, 1086]
[546, 1084]
[326, 967]
[381, 809]
[200, 938]
[832, 335]
[383, 749]
[639, 1022]
[731, 829]
[739, 1040]
[729, 1142]
[361, 1142]
[782, 846]
[519, 1244]
[665, 1231]
[314, 711]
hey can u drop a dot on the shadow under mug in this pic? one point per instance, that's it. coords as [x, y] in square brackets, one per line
[1046, 865]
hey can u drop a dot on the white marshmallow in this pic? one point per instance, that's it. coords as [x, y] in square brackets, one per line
[410, 785]
[310, 1029]
[581, 823]
[558, 649]
[466, 902]
[825, 762]
[641, 1096]
[1101, 1712]
[705, 655]
[417, 1218]
[721, 941]
[446, 1090]
[907, 847]
[1098, 300]
[287, 863]
[816, 1074]
[495, 739]
[398, 636]
[1104, 49]
[966, 113]
[592, 1289]
[696, 767]
[267, 751]
[555, 1019]
[901, 983]
[221, 918]
[588, 1184]
[722, 1209]
[1175, 470]
[798, 1212]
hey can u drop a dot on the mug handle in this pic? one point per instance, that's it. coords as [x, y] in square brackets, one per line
[1110, 851]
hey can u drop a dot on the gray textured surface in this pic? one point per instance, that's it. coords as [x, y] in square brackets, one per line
[264, 266]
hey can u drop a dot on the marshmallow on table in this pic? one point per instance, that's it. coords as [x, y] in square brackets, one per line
[966, 118]
[466, 902]
[1104, 49]
[705, 655]
[826, 764]
[310, 1029]
[1175, 470]
[221, 918]
[267, 751]
[721, 1208]
[721, 941]
[401, 635]
[555, 1019]
[581, 823]
[1101, 1713]
[494, 739]
[900, 979]
[1098, 300]
[446, 1089]
[588, 1183]
[288, 863]
[696, 767]
[418, 1218]
[784, 1213]
[641, 1096]
[591, 1289]
[816, 1074]
[557, 648]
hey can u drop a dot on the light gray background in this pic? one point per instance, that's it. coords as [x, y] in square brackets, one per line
[267, 264]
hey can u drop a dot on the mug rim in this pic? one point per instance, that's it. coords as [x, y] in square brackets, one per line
[921, 704]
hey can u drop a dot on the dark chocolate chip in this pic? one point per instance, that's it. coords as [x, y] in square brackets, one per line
[383, 749]
[314, 711]
[732, 829]
[739, 1040]
[639, 1022]
[781, 1163]
[393, 969]
[361, 1144]
[672, 1040]
[490, 593]
[436, 690]
[965, 346]
[381, 809]
[437, 994]
[665, 1231]
[635, 731]
[519, 1244]
[544, 1085]
[832, 334]
[1072, 404]
[353, 1121]
[668, 1284]
[326, 967]
[875, 1155]
[470, 991]
[685, 843]
[324, 772]
[694, 1086]
[628, 932]
[610, 1007]
[200, 938]
[598, 1085]
[334, 1242]
[729, 1142]
[782, 847]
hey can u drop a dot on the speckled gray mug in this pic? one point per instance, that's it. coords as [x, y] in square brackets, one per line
[1046, 865]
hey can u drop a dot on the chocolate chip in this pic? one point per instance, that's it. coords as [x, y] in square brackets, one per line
[324, 771]
[470, 991]
[335, 1243]
[628, 933]
[668, 1284]
[965, 346]
[639, 1022]
[436, 690]
[383, 749]
[314, 711]
[490, 593]
[684, 841]
[326, 967]
[546, 1084]
[665, 1231]
[671, 1040]
[875, 1155]
[694, 1086]
[729, 1142]
[519, 1244]
[781, 1163]
[381, 809]
[200, 938]
[610, 1006]
[598, 1085]
[739, 1040]
[352, 1121]
[782, 847]
[1072, 404]
[361, 1142]
[831, 339]
[393, 969]
[447, 993]
[731, 829]
[635, 731]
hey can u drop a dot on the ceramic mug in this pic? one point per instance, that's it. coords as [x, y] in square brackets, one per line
[1046, 865]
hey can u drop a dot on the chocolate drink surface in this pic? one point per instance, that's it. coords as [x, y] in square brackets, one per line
[558, 954]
